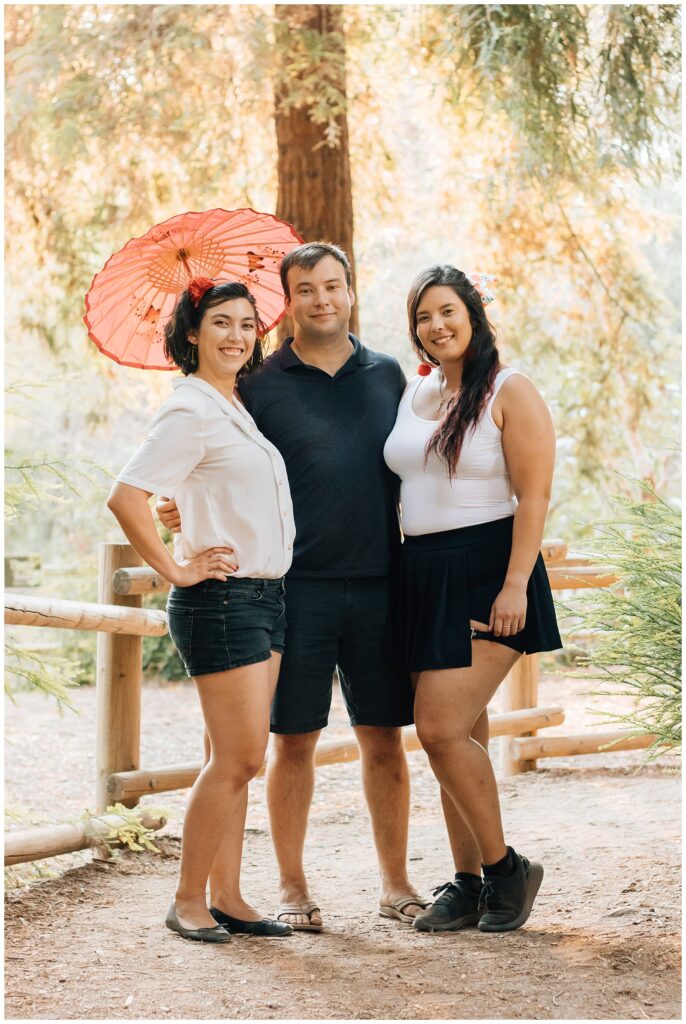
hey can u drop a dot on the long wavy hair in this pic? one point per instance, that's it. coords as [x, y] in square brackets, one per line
[187, 317]
[481, 362]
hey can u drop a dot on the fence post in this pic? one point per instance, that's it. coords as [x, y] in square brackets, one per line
[519, 690]
[118, 682]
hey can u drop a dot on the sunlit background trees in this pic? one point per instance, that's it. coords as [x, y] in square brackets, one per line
[535, 142]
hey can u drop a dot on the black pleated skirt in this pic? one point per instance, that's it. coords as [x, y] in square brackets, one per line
[448, 578]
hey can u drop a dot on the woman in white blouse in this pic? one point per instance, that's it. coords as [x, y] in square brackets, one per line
[226, 605]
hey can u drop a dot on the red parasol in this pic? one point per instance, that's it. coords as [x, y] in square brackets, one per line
[134, 294]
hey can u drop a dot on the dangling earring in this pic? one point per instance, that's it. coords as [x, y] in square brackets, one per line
[424, 369]
[193, 356]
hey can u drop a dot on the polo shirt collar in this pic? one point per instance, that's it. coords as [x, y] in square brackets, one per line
[360, 356]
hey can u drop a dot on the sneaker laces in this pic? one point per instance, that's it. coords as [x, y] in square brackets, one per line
[445, 891]
[489, 889]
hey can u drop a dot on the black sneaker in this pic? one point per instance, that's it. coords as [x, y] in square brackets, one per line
[457, 907]
[506, 903]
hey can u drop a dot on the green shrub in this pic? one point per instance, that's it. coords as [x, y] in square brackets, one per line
[636, 624]
[159, 654]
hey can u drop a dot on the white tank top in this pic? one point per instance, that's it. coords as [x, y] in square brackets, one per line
[480, 492]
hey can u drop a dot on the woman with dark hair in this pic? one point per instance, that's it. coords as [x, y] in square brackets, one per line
[226, 605]
[474, 448]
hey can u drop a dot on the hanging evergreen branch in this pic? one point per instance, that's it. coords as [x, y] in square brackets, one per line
[52, 674]
[30, 483]
[592, 89]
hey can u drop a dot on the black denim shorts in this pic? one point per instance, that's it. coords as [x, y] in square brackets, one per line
[345, 624]
[217, 625]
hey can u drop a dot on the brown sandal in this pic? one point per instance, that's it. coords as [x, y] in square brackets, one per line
[397, 908]
[306, 909]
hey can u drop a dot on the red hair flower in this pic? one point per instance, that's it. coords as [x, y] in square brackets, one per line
[197, 287]
[423, 369]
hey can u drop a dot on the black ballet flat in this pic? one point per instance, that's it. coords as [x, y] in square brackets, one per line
[266, 927]
[215, 934]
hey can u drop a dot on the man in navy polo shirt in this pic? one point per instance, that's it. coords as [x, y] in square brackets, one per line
[328, 404]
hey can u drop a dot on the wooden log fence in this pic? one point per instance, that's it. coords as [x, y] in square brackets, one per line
[581, 743]
[53, 840]
[119, 677]
[120, 622]
[23, 610]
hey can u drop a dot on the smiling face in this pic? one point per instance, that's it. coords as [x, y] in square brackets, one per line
[321, 301]
[442, 324]
[225, 339]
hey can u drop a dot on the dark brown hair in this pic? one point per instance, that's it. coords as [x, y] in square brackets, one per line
[187, 317]
[481, 361]
[308, 256]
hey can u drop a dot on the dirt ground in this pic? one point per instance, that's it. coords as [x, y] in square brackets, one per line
[602, 943]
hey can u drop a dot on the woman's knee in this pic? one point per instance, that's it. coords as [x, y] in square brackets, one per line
[437, 735]
[236, 768]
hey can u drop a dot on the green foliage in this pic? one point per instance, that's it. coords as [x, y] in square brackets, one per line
[121, 116]
[19, 875]
[591, 89]
[131, 832]
[80, 647]
[311, 72]
[514, 138]
[32, 482]
[636, 624]
[53, 674]
[37, 484]
[159, 654]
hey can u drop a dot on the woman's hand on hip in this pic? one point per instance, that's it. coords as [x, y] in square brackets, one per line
[213, 564]
[508, 613]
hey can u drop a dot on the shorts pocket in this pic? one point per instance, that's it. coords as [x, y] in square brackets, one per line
[245, 594]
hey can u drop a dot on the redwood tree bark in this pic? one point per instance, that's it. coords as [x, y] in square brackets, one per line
[315, 188]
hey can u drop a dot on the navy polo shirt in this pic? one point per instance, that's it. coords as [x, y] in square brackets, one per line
[331, 432]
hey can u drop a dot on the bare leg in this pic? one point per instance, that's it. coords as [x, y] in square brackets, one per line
[447, 705]
[462, 843]
[386, 783]
[235, 707]
[290, 787]
[225, 887]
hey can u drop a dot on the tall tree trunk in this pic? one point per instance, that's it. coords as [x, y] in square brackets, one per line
[315, 188]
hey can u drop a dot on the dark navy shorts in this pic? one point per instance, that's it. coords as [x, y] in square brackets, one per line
[345, 624]
[217, 625]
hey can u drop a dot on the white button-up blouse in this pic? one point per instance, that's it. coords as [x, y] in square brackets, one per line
[228, 480]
